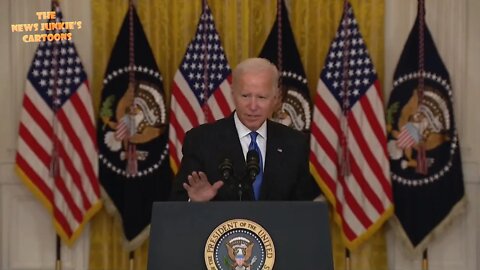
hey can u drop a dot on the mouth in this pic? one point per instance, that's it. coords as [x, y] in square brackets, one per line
[253, 116]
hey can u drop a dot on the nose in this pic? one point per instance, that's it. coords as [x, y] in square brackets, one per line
[253, 103]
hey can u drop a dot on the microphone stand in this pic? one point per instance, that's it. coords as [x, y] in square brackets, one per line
[245, 184]
[240, 190]
[236, 183]
[241, 183]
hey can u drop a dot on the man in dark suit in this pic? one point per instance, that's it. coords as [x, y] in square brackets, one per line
[283, 152]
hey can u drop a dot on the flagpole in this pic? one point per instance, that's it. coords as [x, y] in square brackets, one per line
[131, 260]
[131, 148]
[425, 260]
[132, 166]
[58, 261]
[54, 164]
[348, 261]
[421, 160]
[343, 157]
[206, 112]
[279, 37]
[421, 156]
[422, 167]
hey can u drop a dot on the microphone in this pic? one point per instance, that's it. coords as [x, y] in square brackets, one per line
[252, 164]
[226, 169]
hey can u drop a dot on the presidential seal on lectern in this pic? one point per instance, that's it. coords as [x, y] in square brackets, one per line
[239, 244]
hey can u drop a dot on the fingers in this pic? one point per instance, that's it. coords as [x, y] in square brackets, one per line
[197, 178]
[202, 176]
[192, 182]
[193, 179]
[187, 187]
[217, 185]
[199, 188]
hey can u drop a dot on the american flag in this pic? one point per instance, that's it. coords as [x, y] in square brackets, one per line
[201, 88]
[57, 153]
[360, 194]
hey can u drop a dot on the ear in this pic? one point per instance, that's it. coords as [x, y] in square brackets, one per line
[277, 100]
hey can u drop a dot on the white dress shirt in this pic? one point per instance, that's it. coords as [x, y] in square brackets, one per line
[244, 136]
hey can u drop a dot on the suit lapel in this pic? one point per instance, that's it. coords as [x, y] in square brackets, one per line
[234, 148]
[272, 159]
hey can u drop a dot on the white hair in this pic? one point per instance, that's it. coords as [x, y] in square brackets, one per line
[255, 65]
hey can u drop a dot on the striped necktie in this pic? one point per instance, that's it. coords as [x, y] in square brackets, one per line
[259, 178]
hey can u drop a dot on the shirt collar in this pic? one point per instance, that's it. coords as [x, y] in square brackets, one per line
[244, 131]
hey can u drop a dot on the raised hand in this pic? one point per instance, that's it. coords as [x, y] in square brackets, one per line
[199, 188]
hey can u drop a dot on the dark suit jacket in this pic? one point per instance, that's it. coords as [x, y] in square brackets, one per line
[286, 170]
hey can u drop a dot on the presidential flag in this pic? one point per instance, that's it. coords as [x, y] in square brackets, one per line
[201, 90]
[57, 155]
[295, 109]
[348, 142]
[133, 133]
[421, 130]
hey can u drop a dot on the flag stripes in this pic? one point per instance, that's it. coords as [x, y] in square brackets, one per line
[57, 152]
[363, 140]
[201, 90]
[76, 188]
[191, 113]
[362, 194]
[407, 137]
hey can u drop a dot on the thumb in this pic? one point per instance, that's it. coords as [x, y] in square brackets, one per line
[217, 185]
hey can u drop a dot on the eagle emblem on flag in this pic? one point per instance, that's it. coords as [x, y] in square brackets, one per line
[133, 133]
[426, 122]
[423, 144]
[139, 118]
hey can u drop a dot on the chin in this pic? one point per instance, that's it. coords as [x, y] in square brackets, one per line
[253, 127]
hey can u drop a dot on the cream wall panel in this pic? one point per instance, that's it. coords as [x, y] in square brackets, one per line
[452, 26]
[5, 78]
[472, 79]
[27, 238]
[20, 55]
[456, 248]
[19, 58]
[28, 235]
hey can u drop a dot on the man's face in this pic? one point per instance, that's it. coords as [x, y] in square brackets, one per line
[254, 98]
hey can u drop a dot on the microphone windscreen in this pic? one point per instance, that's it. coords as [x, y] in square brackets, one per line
[226, 169]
